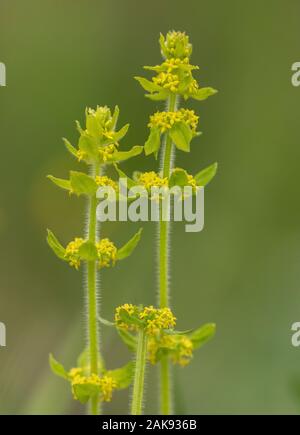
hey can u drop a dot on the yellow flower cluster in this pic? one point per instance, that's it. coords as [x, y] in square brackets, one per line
[165, 120]
[167, 80]
[175, 63]
[71, 252]
[81, 155]
[107, 151]
[107, 253]
[157, 319]
[192, 182]
[130, 311]
[103, 180]
[180, 348]
[153, 320]
[99, 121]
[105, 383]
[176, 44]
[151, 179]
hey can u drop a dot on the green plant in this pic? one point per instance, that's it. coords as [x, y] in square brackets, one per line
[147, 331]
[173, 82]
[97, 147]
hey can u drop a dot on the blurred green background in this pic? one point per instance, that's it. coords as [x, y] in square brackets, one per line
[241, 272]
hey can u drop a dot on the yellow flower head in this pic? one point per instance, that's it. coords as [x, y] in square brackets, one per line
[167, 80]
[105, 383]
[151, 179]
[106, 153]
[176, 45]
[72, 252]
[165, 120]
[152, 320]
[107, 253]
[81, 155]
[123, 315]
[106, 181]
[192, 182]
[178, 347]
[99, 121]
[108, 385]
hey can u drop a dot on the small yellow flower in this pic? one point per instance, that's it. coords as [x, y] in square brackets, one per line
[99, 124]
[179, 348]
[176, 44]
[130, 310]
[72, 251]
[151, 179]
[153, 320]
[106, 153]
[107, 385]
[106, 181]
[192, 182]
[107, 253]
[81, 155]
[167, 80]
[165, 120]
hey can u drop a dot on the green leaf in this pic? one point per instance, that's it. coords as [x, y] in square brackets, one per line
[115, 117]
[203, 93]
[83, 359]
[57, 368]
[89, 146]
[202, 335]
[206, 175]
[130, 182]
[119, 156]
[82, 183]
[118, 135]
[106, 322]
[83, 392]
[175, 332]
[63, 184]
[153, 143]
[181, 135]
[179, 177]
[131, 318]
[88, 251]
[148, 85]
[123, 376]
[56, 247]
[158, 96]
[128, 339]
[70, 147]
[129, 247]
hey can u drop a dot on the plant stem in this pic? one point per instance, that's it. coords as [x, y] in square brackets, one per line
[92, 300]
[165, 400]
[165, 392]
[139, 376]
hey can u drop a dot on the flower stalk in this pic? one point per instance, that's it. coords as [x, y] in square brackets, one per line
[173, 80]
[93, 334]
[165, 379]
[139, 375]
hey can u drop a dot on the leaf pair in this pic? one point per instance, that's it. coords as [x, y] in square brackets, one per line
[198, 337]
[179, 177]
[84, 388]
[180, 134]
[88, 251]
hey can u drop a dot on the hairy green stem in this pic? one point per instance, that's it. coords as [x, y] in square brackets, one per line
[92, 300]
[139, 376]
[165, 381]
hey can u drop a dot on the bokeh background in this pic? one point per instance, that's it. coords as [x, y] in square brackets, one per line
[241, 272]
